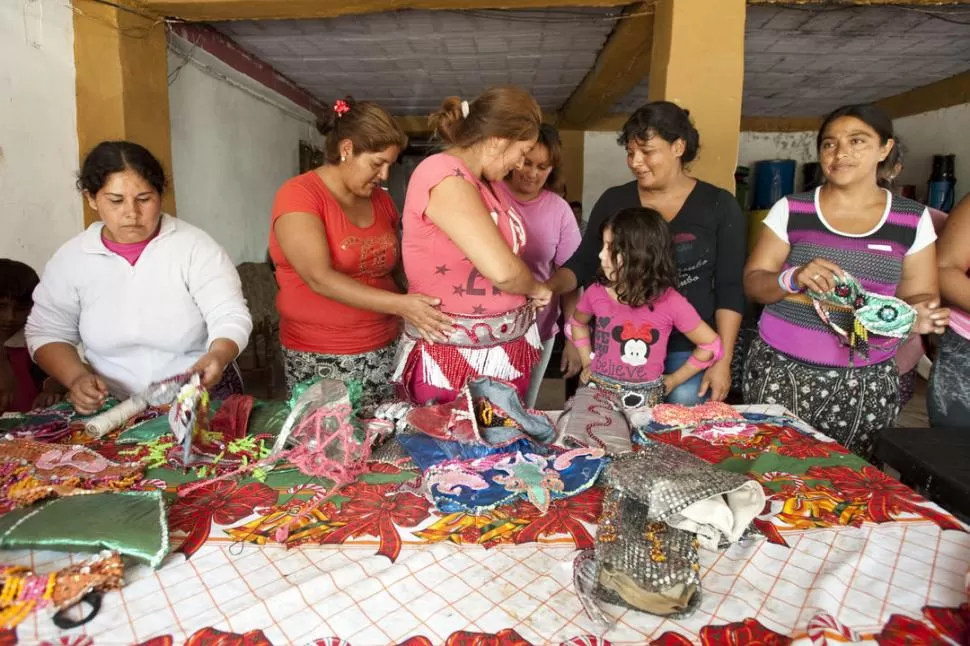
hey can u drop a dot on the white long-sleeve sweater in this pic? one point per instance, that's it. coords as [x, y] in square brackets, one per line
[139, 324]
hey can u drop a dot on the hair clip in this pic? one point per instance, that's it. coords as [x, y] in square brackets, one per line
[341, 107]
[464, 109]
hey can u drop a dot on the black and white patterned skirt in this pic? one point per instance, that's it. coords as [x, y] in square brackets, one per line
[850, 405]
[373, 369]
[948, 399]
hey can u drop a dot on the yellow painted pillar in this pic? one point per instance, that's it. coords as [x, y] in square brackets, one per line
[698, 63]
[573, 149]
[121, 64]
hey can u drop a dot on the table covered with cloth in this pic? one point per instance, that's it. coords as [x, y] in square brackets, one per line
[849, 555]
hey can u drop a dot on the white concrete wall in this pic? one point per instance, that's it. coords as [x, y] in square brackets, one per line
[232, 148]
[604, 165]
[939, 132]
[39, 207]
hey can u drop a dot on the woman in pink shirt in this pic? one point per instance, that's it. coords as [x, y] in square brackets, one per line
[461, 244]
[552, 237]
[948, 401]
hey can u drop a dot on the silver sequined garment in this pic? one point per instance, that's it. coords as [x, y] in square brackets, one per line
[668, 479]
[648, 565]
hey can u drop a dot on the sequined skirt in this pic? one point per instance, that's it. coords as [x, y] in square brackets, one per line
[505, 346]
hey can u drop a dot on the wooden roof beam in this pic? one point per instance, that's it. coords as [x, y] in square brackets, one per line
[214, 10]
[948, 92]
[620, 66]
[862, 3]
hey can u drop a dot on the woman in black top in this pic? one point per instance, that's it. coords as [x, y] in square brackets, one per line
[707, 228]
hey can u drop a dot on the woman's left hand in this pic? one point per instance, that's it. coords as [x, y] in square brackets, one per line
[210, 367]
[931, 318]
[717, 380]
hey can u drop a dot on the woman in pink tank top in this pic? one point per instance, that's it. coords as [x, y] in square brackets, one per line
[948, 401]
[462, 242]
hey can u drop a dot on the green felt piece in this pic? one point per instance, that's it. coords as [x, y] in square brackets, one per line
[146, 431]
[130, 522]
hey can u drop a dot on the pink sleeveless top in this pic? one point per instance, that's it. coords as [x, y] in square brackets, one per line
[434, 265]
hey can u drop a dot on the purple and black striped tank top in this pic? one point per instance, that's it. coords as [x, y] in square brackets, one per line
[876, 259]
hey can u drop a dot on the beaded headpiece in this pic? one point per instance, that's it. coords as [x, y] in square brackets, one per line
[876, 314]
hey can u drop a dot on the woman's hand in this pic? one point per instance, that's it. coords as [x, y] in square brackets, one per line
[540, 295]
[669, 384]
[717, 379]
[87, 394]
[422, 312]
[931, 318]
[210, 367]
[818, 275]
[586, 375]
[571, 364]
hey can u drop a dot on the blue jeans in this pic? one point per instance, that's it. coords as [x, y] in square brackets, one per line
[686, 393]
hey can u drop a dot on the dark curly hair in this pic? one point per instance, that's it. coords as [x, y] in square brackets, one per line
[110, 157]
[17, 282]
[663, 119]
[643, 254]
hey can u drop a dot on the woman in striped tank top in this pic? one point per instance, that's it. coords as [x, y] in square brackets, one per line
[949, 397]
[851, 224]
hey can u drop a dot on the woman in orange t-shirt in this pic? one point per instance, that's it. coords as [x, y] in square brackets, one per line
[334, 241]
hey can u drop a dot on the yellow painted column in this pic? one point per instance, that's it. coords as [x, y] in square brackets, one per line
[698, 63]
[121, 65]
[573, 149]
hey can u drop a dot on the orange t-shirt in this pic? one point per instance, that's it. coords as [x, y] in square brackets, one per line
[310, 322]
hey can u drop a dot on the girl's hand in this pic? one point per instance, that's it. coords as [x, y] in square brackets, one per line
[586, 375]
[87, 394]
[931, 318]
[422, 312]
[818, 275]
[541, 295]
[717, 379]
[571, 364]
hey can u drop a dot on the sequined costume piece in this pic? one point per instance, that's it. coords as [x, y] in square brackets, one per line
[31, 471]
[23, 591]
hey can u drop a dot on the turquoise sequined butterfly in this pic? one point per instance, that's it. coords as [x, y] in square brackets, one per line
[885, 316]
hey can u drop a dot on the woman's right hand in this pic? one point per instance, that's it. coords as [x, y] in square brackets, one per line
[87, 394]
[422, 312]
[540, 295]
[818, 275]
[571, 364]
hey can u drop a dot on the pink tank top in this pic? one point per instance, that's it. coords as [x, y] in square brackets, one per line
[434, 265]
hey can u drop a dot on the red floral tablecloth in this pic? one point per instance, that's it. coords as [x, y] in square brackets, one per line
[851, 556]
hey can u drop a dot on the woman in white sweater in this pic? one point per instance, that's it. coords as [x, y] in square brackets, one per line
[147, 295]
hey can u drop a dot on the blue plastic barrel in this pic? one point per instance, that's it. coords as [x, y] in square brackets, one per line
[773, 180]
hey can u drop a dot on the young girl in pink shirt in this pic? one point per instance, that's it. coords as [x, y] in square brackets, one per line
[634, 306]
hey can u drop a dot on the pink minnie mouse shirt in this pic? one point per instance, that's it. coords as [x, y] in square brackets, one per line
[630, 343]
